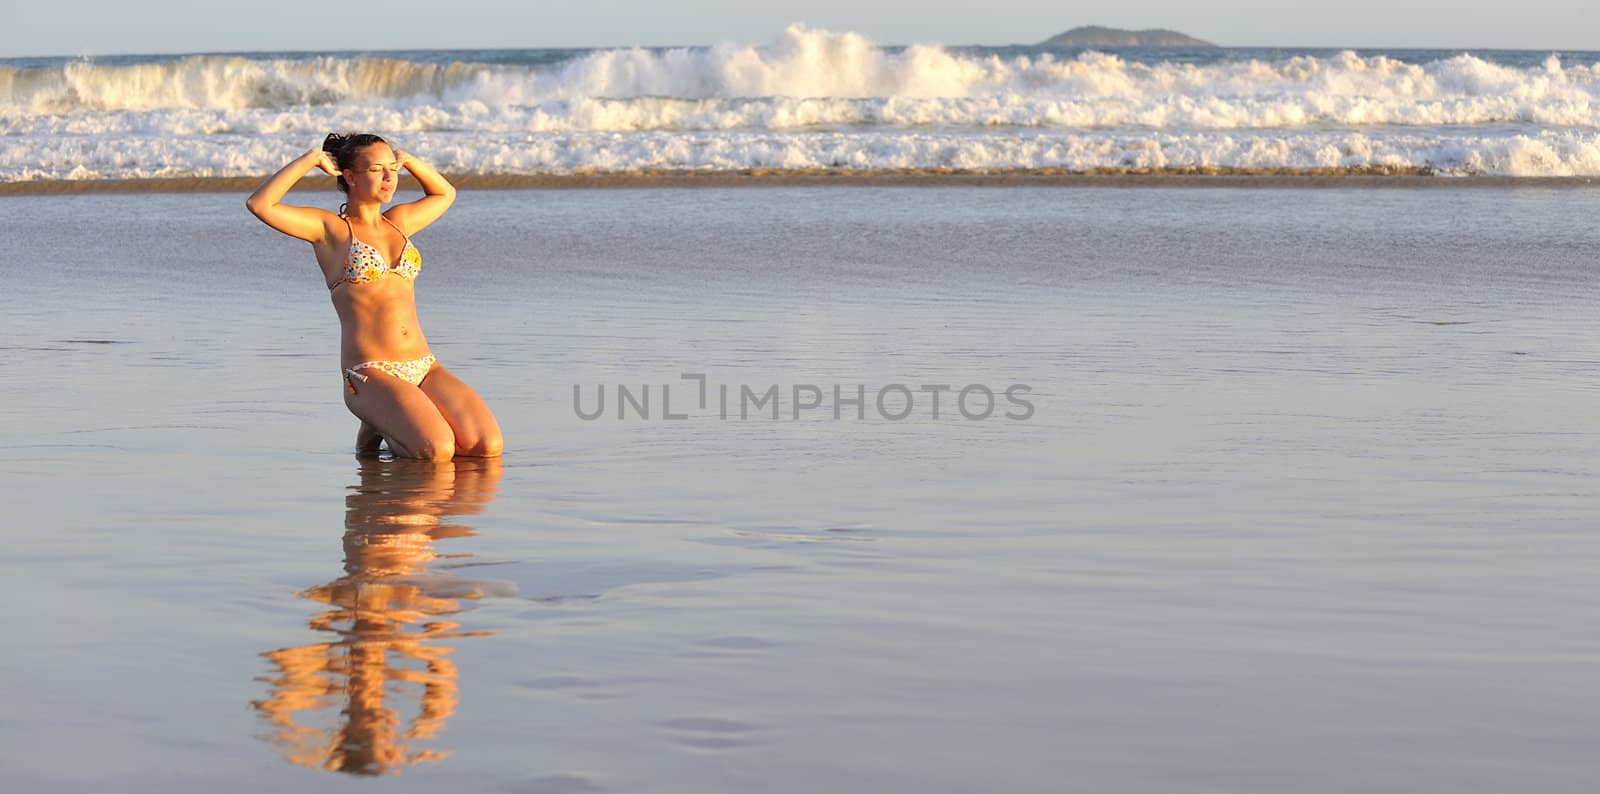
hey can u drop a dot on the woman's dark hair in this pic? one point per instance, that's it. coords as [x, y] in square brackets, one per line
[344, 149]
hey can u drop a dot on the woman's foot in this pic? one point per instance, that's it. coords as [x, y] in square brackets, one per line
[367, 439]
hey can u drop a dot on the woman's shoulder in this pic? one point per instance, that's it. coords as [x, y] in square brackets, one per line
[401, 220]
[334, 225]
[328, 218]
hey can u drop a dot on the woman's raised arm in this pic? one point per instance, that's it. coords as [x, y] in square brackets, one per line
[305, 223]
[413, 216]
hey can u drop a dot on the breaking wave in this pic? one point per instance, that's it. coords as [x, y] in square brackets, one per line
[811, 99]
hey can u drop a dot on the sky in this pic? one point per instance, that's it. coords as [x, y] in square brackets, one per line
[108, 27]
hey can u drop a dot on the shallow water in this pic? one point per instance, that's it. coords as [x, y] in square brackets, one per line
[1304, 503]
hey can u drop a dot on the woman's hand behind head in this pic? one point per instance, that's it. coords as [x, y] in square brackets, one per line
[327, 164]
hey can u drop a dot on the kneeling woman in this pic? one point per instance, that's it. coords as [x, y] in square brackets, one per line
[393, 384]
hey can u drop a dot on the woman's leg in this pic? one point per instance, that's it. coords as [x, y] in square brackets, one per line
[368, 439]
[477, 433]
[402, 415]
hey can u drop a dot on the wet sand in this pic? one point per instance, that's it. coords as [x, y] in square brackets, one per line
[1189, 177]
[1307, 502]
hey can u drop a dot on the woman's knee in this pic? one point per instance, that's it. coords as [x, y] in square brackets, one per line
[437, 447]
[480, 441]
[489, 445]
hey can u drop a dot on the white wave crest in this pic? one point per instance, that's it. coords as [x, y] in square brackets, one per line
[1548, 154]
[652, 114]
[812, 77]
[222, 82]
[810, 99]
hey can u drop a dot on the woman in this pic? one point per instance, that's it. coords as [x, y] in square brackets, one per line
[393, 384]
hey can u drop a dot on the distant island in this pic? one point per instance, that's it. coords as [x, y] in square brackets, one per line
[1096, 36]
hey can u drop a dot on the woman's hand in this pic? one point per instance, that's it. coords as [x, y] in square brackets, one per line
[326, 162]
[402, 159]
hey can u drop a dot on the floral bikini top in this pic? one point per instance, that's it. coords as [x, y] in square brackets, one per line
[365, 265]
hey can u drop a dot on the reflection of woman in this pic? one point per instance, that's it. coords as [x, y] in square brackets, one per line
[386, 616]
[393, 384]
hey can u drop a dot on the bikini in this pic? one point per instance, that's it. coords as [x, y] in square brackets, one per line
[364, 265]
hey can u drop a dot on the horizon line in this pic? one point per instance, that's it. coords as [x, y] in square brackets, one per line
[1335, 47]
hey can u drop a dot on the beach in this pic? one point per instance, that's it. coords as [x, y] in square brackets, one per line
[1302, 498]
[1031, 177]
[878, 418]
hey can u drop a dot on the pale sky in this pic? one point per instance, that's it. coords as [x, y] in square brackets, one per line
[106, 27]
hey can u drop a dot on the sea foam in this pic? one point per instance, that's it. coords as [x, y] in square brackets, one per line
[812, 99]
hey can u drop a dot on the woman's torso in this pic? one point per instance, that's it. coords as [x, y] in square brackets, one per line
[372, 271]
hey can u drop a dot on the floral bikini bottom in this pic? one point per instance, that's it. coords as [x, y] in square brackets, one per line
[411, 372]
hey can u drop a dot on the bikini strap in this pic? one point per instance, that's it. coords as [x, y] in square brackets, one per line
[403, 236]
[350, 249]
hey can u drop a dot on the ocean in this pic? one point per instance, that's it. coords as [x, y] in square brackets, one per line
[813, 101]
[827, 468]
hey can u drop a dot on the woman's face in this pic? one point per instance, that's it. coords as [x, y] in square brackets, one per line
[375, 174]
